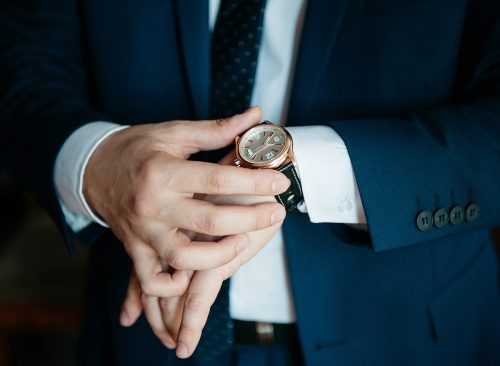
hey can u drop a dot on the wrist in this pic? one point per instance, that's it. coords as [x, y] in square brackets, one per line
[92, 169]
[69, 170]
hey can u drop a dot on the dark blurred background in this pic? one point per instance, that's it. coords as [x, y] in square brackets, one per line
[41, 287]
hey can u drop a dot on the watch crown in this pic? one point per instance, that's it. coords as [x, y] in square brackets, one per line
[237, 162]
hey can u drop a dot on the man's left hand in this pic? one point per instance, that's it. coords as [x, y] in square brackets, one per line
[184, 317]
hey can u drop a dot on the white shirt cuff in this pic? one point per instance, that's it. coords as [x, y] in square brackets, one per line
[330, 190]
[69, 169]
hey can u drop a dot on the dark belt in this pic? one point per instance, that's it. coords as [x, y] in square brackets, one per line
[264, 334]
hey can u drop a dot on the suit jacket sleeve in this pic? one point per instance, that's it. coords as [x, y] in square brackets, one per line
[43, 91]
[431, 159]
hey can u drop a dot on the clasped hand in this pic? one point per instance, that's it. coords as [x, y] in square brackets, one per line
[182, 247]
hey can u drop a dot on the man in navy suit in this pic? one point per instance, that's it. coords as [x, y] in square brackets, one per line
[394, 110]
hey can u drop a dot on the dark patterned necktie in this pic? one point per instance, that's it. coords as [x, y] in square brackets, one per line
[235, 48]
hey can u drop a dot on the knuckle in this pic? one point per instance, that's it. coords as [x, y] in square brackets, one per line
[183, 285]
[225, 132]
[263, 179]
[220, 122]
[180, 289]
[220, 128]
[148, 172]
[194, 302]
[257, 221]
[168, 173]
[226, 251]
[180, 130]
[176, 258]
[217, 182]
[255, 185]
[148, 288]
[189, 332]
[209, 224]
[176, 128]
[165, 303]
[140, 205]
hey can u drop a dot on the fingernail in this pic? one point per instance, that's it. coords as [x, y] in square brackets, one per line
[278, 215]
[249, 109]
[281, 185]
[242, 244]
[124, 318]
[182, 350]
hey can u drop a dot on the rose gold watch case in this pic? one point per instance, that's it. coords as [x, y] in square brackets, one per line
[285, 156]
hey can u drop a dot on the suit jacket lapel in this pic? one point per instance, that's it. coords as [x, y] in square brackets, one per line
[194, 44]
[322, 23]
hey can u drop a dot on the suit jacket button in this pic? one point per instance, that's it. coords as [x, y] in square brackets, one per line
[457, 215]
[441, 218]
[424, 220]
[472, 212]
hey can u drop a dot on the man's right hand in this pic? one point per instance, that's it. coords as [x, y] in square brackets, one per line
[140, 182]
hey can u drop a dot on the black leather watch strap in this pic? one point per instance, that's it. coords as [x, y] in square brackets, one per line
[293, 196]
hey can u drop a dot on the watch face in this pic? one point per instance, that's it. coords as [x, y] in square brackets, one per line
[262, 144]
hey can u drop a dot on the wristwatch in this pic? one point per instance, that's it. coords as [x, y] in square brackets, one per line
[270, 146]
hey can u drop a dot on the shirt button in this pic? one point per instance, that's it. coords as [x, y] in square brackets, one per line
[345, 206]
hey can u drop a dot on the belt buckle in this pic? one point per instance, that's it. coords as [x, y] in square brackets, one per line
[265, 333]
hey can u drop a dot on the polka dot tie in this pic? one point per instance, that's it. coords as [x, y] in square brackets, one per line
[235, 48]
[217, 337]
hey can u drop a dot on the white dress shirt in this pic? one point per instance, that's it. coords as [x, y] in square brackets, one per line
[260, 290]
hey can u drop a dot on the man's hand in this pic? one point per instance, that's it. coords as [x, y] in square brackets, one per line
[205, 285]
[182, 318]
[139, 181]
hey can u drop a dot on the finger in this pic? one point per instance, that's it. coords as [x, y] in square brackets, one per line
[154, 317]
[132, 305]
[199, 255]
[257, 240]
[227, 270]
[216, 134]
[152, 279]
[209, 178]
[206, 218]
[171, 310]
[201, 295]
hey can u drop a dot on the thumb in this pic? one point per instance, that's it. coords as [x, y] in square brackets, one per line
[216, 134]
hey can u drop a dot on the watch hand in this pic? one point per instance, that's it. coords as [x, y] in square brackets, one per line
[267, 140]
[265, 144]
[258, 149]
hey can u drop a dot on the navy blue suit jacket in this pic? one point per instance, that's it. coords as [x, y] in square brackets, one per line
[413, 88]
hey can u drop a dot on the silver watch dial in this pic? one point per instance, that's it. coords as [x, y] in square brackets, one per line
[262, 144]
